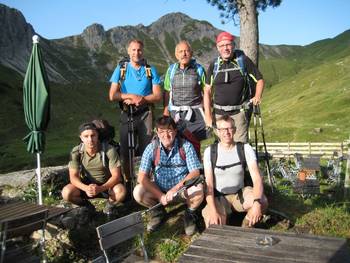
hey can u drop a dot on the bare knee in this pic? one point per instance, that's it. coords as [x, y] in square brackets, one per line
[119, 193]
[138, 193]
[69, 192]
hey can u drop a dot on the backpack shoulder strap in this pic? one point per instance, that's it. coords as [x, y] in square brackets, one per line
[239, 54]
[148, 70]
[123, 67]
[200, 71]
[216, 67]
[213, 156]
[241, 154]
[181, 148]
[156, 151]
[172, 70]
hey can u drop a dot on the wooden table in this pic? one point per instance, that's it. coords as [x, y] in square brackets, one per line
[17, 209]
[236, 244]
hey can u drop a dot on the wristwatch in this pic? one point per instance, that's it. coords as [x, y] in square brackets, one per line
[257, 200]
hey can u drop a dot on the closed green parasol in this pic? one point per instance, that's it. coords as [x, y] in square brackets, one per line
[36, 103]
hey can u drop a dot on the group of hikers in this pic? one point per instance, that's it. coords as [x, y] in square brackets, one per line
[197, 101]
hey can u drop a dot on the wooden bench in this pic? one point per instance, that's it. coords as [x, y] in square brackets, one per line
[22, 225]
[118, 231]
[236, 244]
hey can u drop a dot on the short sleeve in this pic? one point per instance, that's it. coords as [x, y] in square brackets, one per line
[116, 75]
[206, 159]
[113, 158]
[209, 75]
[249, 154]
[155, 76]
[74, 160]
[192, 160]
[147, 159]
[167, 80]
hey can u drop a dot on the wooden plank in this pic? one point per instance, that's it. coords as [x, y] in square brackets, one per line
[119, 224]
[233, 244]
[121, 236]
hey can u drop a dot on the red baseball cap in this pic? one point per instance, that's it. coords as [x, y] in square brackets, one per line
[224, 36]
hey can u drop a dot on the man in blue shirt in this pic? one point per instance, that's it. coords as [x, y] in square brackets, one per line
[170, 170]
[136, 85]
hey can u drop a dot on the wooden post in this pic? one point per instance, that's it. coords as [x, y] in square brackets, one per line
[347, 175]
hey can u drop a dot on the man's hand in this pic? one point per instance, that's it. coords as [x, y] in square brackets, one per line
[256, 100]
[134, 99]
[214, 218]
[254, 214]
[93, 190]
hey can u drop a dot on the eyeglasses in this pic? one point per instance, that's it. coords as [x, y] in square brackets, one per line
[229, 129]
[225, 45]
[164, 132]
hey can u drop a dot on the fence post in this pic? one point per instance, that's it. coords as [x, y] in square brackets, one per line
[309, 148]
[347, 175]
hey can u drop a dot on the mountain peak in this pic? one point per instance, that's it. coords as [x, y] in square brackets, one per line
[94, 36]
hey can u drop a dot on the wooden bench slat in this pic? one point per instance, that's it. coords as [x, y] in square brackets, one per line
[117, 237]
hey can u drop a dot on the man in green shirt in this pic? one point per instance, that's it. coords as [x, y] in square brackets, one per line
[94, 170]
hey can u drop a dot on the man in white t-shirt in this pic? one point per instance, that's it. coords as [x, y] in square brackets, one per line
[225, 183]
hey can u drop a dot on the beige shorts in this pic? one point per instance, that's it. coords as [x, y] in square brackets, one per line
[225, 203]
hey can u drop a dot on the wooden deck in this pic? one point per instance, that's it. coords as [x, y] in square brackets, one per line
[18, 209]
[235, 244]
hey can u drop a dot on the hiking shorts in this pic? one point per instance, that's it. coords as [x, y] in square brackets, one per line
[142, 132]
[241, 123]
[225, 203]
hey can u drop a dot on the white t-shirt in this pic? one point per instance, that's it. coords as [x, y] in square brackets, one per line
[229, 180]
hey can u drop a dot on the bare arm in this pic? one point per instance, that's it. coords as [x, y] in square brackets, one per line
[255, 211]
[74, 178]
[207, 105]
[214, 216]
[166, 103]
[258, 93]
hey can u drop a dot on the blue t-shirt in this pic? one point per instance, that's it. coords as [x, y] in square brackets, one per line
[136, 81]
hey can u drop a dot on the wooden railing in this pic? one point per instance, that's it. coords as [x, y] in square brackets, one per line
[287, 149]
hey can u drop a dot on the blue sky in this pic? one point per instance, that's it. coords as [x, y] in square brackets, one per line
[298, 22]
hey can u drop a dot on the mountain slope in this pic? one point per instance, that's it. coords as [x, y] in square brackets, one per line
[307, 86]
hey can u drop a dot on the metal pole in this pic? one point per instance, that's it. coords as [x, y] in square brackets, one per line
[267, 162]
[131, 144]
[38, 173]
[347, 176]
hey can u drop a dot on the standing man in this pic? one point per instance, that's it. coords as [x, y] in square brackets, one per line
[136, 85]
[93, 171]
[228, 79]
[184, 83]
[172, 160]
[225, 179]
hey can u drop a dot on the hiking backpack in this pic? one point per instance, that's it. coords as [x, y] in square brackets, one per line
[242, 161]
[182, 136]
[250, 80]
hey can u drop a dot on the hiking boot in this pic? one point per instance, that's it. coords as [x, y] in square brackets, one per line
[109, 209]
[156, 219]
[86, 205]
[190, 219]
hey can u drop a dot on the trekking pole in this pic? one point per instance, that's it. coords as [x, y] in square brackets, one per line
[131, 146]
[187, 184]
[257, 112]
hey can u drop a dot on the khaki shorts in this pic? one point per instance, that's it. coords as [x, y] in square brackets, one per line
[225, 203]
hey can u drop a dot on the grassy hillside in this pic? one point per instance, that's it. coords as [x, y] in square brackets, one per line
[318, 97]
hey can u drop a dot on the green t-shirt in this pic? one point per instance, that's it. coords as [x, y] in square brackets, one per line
[92, 169]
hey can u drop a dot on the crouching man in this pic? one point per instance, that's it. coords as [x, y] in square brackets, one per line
[172, 160]
[94, 171]
[224, 175]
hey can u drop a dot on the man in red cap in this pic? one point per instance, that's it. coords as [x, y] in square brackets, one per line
[229, 75]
